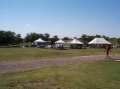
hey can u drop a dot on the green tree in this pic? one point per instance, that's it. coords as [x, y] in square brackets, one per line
[46, 37]
[118, 40]
[7, 37]
[66, 38]
[32, 37]
[54, 39]
[18, 39]
[86, 38]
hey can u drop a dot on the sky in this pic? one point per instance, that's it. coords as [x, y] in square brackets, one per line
[61, 17]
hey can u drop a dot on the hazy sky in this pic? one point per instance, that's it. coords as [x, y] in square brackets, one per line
[61, 17]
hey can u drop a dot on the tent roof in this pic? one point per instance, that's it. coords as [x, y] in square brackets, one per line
[99, 41]
[39, 40]
[60, 42]
[75, 41]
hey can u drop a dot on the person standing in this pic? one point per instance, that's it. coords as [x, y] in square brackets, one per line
[108, 50]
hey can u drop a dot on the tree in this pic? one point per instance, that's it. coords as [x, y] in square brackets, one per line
[7, 37]
[66, 38]
[106, 37]
[98, 36]
[86, 38]
[32, 37]
[18, 39]
[118, 40]
[54, 39]
[46, 37]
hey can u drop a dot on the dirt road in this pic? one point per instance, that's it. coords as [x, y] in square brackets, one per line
[17, 66]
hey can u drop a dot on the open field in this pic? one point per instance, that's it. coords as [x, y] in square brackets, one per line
[83, 75]
[68, 72]
[9, 54]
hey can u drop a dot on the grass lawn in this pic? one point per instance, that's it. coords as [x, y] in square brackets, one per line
[8, 54]
[83, 75]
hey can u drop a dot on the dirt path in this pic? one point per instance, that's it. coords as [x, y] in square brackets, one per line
[16, 66]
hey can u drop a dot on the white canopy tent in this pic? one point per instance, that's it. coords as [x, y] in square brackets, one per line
[60, 42]
[40, 43]
[40, 40]
[75, 44]
[75, 41]
[99, 41]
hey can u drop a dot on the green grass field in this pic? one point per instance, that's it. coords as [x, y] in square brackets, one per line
[83, 75]
[9, 54]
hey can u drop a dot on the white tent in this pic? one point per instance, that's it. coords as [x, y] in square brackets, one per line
[75, 41]
[40, 43]
[76, 44]
[99, 41]
[60, 42]
[40, 40]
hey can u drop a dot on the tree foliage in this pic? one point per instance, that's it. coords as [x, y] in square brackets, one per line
[31, 37]
[8, 37]
[53, 39]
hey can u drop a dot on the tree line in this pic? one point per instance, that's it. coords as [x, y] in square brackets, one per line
[11, 38]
